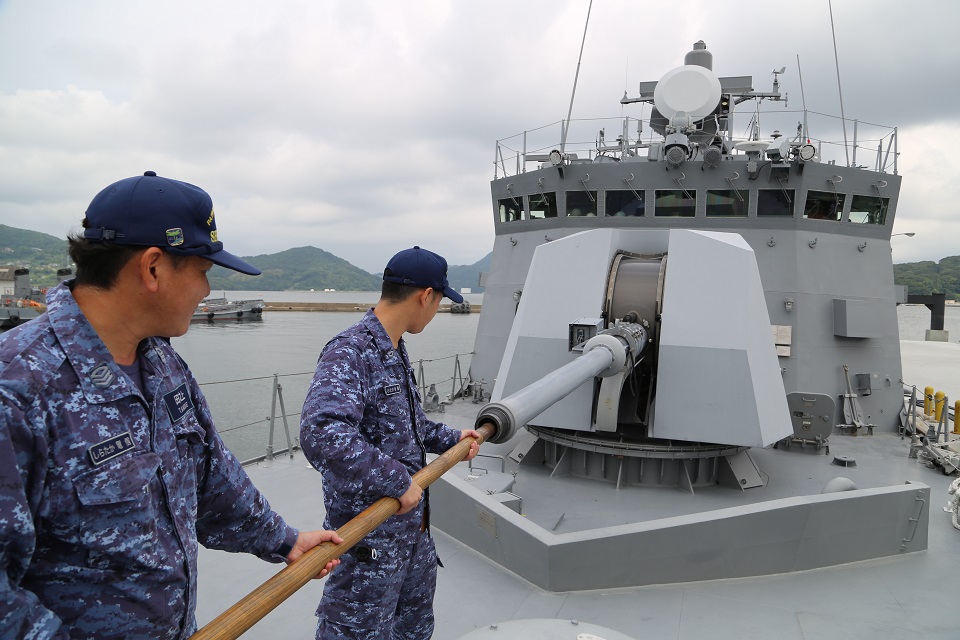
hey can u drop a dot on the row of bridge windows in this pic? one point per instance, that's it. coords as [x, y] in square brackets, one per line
[719, 203]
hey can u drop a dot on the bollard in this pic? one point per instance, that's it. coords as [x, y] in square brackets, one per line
[956, 414]
[928, 401]
[938, 405]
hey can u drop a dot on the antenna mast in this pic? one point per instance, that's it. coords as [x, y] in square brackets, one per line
[836, 61]
[803, 99]
[566, 128]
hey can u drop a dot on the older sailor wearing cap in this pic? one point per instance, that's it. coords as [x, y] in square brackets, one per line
[111, 470]
[364, 429]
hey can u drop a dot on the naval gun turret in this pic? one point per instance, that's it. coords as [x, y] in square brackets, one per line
[625, 369]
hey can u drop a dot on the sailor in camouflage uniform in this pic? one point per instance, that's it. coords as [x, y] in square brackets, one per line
[111, 470]
[364, 429]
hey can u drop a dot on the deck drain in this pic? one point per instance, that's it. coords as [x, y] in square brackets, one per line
[844, 461]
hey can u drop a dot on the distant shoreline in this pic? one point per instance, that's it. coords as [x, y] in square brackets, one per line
[340, 306]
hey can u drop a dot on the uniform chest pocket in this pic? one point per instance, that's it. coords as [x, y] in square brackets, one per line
[392, 401]
[118, 512]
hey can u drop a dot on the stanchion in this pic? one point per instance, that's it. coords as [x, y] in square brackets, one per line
[233, 622]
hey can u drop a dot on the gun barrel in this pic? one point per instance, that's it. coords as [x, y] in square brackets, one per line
[519, 408]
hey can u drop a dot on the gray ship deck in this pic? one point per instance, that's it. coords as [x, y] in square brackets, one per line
[905, 596]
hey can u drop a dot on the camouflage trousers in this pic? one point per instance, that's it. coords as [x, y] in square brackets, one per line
[382, 590]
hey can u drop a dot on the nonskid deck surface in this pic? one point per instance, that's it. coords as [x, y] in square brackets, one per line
[911, 596]
[908, 596]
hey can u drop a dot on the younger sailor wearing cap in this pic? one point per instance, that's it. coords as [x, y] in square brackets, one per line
[364, 429]
[111, 470]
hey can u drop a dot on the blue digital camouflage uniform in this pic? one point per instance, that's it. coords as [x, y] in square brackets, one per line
[357, 430]
[105, 493]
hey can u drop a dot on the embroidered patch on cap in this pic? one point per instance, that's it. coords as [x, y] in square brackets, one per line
[392, 389]
[110, 448]
[175, 237]
[178, 403]
[102, 376]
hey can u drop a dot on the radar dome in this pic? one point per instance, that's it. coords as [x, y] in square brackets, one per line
[691, 89]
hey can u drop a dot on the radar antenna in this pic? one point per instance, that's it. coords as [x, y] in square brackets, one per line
[776, 79]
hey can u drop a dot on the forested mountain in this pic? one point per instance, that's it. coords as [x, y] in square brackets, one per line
[41, 252]
[924, 278]
[313, 268]
[467, 276]
[301, 268]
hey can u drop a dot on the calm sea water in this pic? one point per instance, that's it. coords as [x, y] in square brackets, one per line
[235, 362]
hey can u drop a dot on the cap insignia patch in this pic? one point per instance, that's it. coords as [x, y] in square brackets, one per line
[175, 237]
[210, 218]
[213, 236]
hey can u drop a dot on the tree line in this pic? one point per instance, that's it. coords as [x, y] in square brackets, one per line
[925, 278]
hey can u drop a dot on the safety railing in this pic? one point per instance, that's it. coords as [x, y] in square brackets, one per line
[849, 142]
[427, 375]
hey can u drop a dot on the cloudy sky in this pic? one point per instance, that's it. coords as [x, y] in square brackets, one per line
[363, 127]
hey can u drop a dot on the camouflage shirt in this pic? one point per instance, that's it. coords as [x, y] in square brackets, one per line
[106, 492]
[363, 426]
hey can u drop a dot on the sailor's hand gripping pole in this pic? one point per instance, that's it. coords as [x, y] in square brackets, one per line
[233, 622]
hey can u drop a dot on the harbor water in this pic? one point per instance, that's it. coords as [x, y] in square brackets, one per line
[235, 362]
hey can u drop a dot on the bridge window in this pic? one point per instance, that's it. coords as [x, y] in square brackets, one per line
[727, 203]
[823, 205]
[775, 202]
[543, 205]
[868, 209]
[511, 209]
[581, 203]
[625, 203]
[675, 203]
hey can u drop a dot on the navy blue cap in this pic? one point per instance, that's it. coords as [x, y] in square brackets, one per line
[151, 211]
[420, 268]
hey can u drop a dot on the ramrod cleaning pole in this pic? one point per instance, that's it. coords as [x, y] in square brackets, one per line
[232, 623]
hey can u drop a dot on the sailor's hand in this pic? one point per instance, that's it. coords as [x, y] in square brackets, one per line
[474, 446]
[410, 499]
[307, 540]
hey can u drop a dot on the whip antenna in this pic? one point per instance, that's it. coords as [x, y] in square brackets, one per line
[566, 127]
[836, 61]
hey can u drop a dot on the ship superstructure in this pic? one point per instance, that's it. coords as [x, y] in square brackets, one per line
[817, 223]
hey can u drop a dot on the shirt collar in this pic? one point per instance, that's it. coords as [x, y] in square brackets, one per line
[384, 344]
[100, 378]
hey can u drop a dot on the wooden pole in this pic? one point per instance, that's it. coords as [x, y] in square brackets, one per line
[233, 622]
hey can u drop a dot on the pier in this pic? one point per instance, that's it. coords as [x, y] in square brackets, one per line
[341, 306]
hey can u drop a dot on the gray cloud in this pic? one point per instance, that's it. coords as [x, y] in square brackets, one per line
[363, 127]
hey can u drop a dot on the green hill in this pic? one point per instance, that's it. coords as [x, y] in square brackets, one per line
[312, 268]
[42, 253]
[924, 278]
[468, 275]
[300, 268]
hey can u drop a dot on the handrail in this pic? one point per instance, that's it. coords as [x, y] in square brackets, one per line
[292, 444]
[582, 139]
